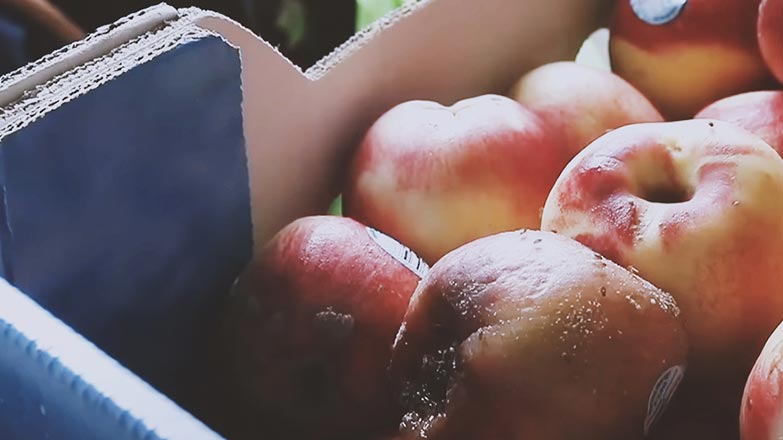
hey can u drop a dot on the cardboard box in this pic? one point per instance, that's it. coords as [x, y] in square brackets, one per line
[140, 166]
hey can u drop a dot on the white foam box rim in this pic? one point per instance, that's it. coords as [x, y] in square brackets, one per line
[42, 335]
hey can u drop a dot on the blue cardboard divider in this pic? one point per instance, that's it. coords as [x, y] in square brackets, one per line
[126, 214]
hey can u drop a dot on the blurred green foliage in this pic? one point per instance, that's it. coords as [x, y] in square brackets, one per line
[292, 21]
[368, 11]
[336, 207]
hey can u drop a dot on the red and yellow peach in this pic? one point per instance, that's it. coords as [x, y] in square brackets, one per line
[686, 54]
[436, 177]
[582, 102]
[697, 208]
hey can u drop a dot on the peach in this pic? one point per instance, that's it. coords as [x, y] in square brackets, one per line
[436, 177]
[770, 35]
[761, 416]
[759, 112]
[684, 54]
[313, 320]
[696, 207]
[531, 335]
[582, 102]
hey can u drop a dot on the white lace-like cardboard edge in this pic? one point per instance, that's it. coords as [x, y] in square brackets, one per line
[64, 79]
[301, 126]
[15, 84]
[359, 39]
[24, 81]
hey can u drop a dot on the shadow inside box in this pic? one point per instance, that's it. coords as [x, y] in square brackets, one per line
[126, 214]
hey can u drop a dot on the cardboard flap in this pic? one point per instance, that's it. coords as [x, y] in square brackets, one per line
[301, 129]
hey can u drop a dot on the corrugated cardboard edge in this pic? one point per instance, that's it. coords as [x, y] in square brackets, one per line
[198, 15]
[362, 37]
[100, 380]
[22, 81]
[338, 54]
[60, 88]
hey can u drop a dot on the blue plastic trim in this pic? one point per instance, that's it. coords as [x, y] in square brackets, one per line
[54, 384]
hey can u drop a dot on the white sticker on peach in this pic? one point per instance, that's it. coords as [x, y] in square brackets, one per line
[658, 12]
[399, 252]
[661, 394]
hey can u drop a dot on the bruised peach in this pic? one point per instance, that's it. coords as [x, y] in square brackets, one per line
[531, 335]
[313, 321]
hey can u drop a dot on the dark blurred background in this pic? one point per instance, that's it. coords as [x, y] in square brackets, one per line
[303, 30]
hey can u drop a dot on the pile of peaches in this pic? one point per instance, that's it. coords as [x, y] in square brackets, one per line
[597, 254]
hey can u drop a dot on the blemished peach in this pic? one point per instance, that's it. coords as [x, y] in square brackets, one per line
[531, 335]
[312, 324]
